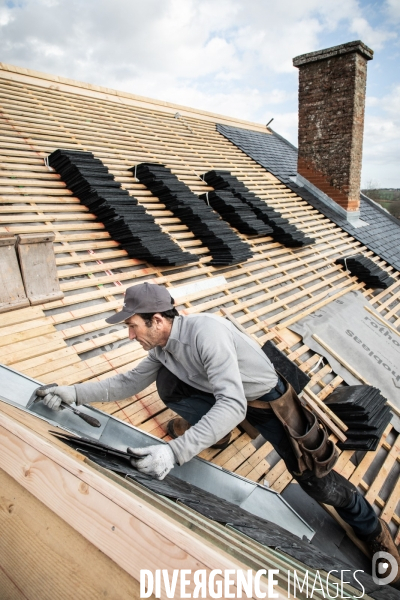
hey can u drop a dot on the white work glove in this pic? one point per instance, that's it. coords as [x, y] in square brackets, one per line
[53, 396]
[157, 460]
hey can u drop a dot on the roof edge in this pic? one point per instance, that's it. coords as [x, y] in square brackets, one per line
[15, 73]
[350, 47]
[381, 208]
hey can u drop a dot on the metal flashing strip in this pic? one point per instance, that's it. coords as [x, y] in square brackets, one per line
[17, 389]
[353, 217]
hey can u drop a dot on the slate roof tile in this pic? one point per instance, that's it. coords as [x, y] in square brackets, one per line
[279, 157]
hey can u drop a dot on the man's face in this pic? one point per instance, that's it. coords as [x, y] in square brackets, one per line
[149, 337]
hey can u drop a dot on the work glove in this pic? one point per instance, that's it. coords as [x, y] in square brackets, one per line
[157, 460]
[53, 396]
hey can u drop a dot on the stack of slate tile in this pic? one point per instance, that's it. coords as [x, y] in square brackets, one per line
[225, 246]
[366, 270]
[125, 220]
[282, 231]
[364, 410]
[236, 213]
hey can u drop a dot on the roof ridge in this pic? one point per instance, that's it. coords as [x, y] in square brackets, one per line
[15, 73]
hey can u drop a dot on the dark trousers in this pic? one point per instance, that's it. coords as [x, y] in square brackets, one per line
[191, 404]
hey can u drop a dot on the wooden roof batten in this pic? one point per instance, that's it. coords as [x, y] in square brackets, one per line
[15, 73]
[68, 340]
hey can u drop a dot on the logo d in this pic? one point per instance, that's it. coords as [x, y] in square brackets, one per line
[384, 568]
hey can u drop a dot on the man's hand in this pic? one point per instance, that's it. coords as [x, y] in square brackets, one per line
[52, 397]
[157, 460]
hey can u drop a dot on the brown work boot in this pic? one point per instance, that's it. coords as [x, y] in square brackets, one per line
[223, 443]
[177, 427]
[384, 569]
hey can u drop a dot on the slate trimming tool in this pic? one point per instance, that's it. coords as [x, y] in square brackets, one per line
[87, 418]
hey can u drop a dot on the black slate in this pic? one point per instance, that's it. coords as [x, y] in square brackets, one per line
[224, 512]
[225, 246]
[365, 411]
[279, 157]
[366, 270]
[281, 229]
[123, 217]
[290, 371]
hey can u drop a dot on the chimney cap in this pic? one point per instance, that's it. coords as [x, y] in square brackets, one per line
[356, 46]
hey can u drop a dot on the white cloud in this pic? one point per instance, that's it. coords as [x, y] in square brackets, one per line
[5, 16]
[393, 9]
[374, 38]
[286, 125]
[230, 57]
[381, 143]
[228, 39]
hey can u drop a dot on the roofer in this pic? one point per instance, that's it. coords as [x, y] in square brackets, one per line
[215, 376]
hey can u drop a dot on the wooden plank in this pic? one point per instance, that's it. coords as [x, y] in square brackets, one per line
[40, 555]
[47, 363]
[38, 268]
[319, 305]
[274, 473]
[282, 481]
[384, 471]
[391, 503]
[344, 458]
[12, 291]
[287, 300]
[30, 348]
[327, 411]
[16, 218]
[382, 320]
[235, 451]
[322, 415]
[107, 515]
[29, 333]
[336, 356]
[20, 316]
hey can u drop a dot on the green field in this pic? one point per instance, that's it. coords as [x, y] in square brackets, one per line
[389, 198]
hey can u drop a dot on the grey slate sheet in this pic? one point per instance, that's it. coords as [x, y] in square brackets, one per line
[360, 339]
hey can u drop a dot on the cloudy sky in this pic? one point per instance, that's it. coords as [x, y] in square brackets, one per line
[233, 57]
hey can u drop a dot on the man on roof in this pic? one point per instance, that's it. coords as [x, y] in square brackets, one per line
[214, 376]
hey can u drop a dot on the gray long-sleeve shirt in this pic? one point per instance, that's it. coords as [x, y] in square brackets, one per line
[209, 353]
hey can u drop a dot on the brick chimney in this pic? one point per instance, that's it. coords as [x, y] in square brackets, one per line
[332, 86]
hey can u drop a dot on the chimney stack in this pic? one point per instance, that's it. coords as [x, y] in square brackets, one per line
[332, 86]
